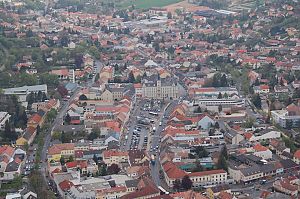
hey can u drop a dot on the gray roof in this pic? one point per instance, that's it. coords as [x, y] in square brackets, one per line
[251, 170]
[12, 166]
[131, 183]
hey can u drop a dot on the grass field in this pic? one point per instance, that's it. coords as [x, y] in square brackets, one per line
[145, 4]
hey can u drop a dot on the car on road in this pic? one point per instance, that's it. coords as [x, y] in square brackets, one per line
[160, 123]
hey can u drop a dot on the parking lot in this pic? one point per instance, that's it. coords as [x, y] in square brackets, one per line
[142, 124]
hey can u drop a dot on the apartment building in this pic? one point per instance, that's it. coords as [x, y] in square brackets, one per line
[290, 117]
[57, 151]
[115, 157]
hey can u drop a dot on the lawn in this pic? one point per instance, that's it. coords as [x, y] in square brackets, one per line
[145, 4]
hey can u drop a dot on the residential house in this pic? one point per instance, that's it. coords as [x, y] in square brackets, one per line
[115, 157]
[262, 89]
[296, 157]
[57, 151]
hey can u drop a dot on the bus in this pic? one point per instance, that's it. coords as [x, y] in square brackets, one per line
[162, 190]
[153, 113]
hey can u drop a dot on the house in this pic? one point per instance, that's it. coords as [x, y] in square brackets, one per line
[287, 186]
[213, 192]
[296, 157]
[57, 151]
[138, 158]
[145, 189]
[211, 177]
[233, 137]
[262, 89]
[206, 122]
[262, 151]
[36, 120]
[265, 135]
[114, 157]
[27, 137]
[4, 116]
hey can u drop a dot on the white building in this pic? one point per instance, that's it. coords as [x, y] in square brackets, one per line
[4, 116]
[290, 116]
[265, 136]
[24, 91]
[153, 87]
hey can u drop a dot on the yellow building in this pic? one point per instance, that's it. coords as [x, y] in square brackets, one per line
[57, 151]
[114, 157]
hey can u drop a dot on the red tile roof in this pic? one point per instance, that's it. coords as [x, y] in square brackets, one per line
[297, 154]
[65, 185]
[109, 153]
[173, 171]
[259, 147]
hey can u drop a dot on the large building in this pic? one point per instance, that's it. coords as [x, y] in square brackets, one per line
[24, 91]
[157, 88]
[288, 118]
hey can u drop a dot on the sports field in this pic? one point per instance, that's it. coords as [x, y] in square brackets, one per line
[145, 4]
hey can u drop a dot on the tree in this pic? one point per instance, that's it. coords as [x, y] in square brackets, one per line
[198, 167]
[256, 100]
[186, 182]
[131, 78]
[102, 170]
[62, 90]
[224, 152]
[217, 126]
[169, 15]
[83, 97]
[201, 151]
[94, 134]
[289, 124]
[222, 164]
[223, 81]
[220, 108]
[113, 169]
[220, 95]
[62, 160]
[177, 185]
[68, 119]
[95, 159]
[71, 159]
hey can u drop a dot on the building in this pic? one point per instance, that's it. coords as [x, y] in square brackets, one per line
[233, 137]
[23, 91]
[57, 151]
[115, 157]
[288, 118]
[262, 89]
[296, 157]
[212, 104]
[288, 186]
[203, 178]
[4, 116]
[213, 92]
[157, 88]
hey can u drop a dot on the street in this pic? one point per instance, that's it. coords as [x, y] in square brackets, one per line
[59, 120]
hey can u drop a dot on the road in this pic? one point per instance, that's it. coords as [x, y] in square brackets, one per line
[59, 120]
[155, 168]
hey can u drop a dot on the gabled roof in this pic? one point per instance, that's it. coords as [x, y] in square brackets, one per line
[173, 171]
[65, 185]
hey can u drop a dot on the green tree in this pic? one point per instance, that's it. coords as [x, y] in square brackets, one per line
[256, 100]
[68, 119]
[113, 169]
[186, 182]
[169, 15]
[177, 185]
[224, 152]
[62, 161]
[222, 163]
[220, 108]
[131, 78]
[220, 95]
[102, 170]
[201, 151]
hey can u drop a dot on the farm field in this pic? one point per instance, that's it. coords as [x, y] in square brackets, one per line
[145, 4]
